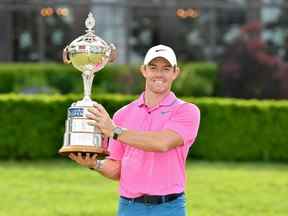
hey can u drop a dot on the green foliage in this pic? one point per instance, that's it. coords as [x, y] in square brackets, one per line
[197, 79]
[64, 79]
[233, 129]
[119, 79]
[41, 78]
[33, 126]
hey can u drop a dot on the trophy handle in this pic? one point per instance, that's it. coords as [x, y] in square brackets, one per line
[113, 54]
[66, 58]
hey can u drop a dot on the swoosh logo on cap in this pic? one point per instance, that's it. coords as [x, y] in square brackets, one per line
[159, 50]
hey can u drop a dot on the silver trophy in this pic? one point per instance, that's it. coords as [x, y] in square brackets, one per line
[89, 54]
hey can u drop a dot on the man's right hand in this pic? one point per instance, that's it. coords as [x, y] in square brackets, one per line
[84, 160]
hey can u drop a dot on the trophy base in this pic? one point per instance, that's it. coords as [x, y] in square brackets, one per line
[101, 152]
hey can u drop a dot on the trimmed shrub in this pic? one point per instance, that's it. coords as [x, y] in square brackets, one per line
[197, 79]
[240, 130]
[26, 77]
[33, 126]
[233, 129]
[64, 79]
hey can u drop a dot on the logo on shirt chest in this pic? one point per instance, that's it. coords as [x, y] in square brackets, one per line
[165, 112]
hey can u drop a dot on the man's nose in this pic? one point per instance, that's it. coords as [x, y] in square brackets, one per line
[158, 73]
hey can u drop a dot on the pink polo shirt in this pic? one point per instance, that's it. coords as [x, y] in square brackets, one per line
[154, 173]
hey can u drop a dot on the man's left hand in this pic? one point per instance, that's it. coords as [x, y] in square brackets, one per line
[101, 119]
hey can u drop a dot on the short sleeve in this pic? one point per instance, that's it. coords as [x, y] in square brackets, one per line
[116, 148]
[185, 122]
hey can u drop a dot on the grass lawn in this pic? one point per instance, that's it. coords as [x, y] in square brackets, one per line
[62, 188]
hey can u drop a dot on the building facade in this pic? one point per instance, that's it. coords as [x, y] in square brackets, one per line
[38, 30]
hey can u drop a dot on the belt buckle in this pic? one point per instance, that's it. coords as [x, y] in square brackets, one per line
[146, 199]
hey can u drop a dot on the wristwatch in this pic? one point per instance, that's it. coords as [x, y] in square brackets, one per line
[117, 131]
[98, 165]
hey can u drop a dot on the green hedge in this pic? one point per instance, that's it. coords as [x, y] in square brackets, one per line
[33, 127]
[63, 79]
[197, 79]
[233, 129]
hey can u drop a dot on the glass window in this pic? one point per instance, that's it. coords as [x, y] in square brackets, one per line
[25, 37]
[143, 31]
[194, 35]
[227, 27]
[57, 32]
[110, 26]
[38, 36]
[275, 33]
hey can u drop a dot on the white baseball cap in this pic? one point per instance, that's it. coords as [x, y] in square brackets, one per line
[161, 51]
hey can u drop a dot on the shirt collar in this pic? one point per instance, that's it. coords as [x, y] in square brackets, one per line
[167, 101]
[140, 101]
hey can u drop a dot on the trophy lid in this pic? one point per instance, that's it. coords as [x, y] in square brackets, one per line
[89, 52]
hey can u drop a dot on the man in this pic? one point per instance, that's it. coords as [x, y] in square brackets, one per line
[149, 142]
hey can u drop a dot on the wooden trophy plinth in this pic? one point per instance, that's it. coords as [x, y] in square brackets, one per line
[101, 152]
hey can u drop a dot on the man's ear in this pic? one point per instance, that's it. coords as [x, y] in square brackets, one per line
[143, 70]
[177, 72]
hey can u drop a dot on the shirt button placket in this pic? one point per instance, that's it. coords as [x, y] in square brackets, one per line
[149, 120]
